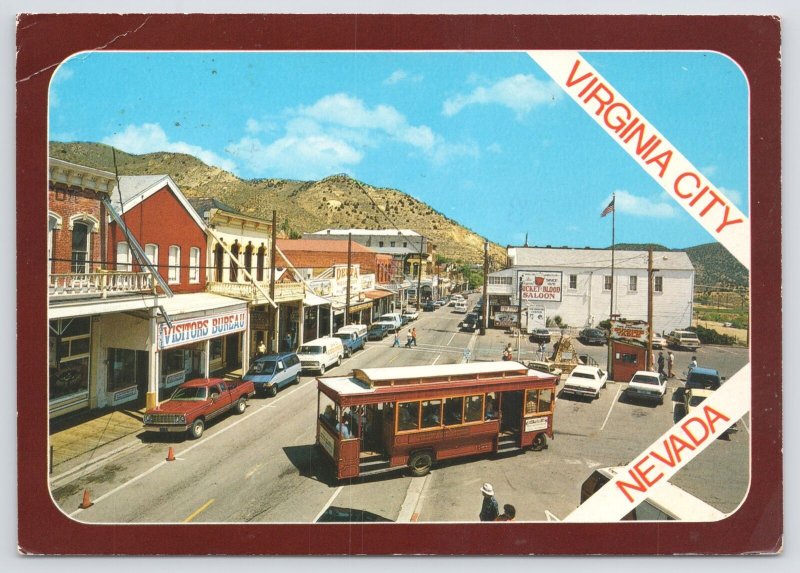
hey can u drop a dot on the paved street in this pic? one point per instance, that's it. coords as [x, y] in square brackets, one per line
[263, 467]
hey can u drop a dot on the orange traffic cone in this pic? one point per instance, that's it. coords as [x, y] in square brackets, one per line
[86, 503]
[170, 455]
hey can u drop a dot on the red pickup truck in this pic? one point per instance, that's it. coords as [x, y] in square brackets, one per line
[195, 403]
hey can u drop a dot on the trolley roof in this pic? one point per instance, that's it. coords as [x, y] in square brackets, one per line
[405, 374]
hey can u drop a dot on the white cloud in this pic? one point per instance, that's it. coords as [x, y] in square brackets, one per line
[708, 170]
[520, 93]
[150, 138]
[495, 147]
[297, 155]
[631, 204]
[398, 76]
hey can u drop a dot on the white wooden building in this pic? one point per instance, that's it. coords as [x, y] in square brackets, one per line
[575, 284]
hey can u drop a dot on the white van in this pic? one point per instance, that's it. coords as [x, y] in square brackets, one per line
[393, 317]
[460, 306]
[321, 354]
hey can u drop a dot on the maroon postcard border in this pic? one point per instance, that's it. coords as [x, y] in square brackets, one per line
[44, 40]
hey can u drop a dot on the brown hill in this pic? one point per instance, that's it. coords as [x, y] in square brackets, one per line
[301, 206]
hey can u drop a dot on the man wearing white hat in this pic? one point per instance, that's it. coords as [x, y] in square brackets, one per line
[489, 509]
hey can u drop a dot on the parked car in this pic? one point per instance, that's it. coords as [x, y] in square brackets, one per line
[683, 340]
[353, 337]
[271, 372]
[648, 386]
[659, 341]
[440, 303]
[540, 336]
[410, 314]
[585, 381]
[592, 336]
[379, 330]
[546, 367]
[321, 354]
[395, 318]
[429, 306]
[197, 402]
[704, 378]
[470, 323]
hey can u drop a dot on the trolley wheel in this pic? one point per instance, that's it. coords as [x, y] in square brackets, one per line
[420, 463]
[539, 443]
[196, 429]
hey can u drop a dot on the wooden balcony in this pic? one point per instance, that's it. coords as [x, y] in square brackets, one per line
[99, 284]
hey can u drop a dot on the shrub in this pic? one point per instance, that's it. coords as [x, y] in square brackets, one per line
[711, 336]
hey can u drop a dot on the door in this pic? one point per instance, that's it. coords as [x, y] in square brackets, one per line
[511, 411]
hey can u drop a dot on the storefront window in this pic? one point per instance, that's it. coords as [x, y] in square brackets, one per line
[70, 343]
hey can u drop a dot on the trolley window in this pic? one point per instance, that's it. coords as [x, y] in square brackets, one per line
[407, 416]
[538, 401]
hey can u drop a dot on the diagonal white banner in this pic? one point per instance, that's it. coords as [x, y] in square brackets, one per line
[650, 149]
[720, 217]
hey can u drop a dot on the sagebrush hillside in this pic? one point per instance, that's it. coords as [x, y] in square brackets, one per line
[302, 206]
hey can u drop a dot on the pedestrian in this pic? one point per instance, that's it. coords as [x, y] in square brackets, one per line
[262, 348]
[507, 355]
[409, 339]
[693, 363]
[414, 335]
[396, 339]
[509, 513]
[661, 363]
[343, 428]
[670, 364]
[489, 510]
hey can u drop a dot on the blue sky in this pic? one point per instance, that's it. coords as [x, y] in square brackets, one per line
[483, 137]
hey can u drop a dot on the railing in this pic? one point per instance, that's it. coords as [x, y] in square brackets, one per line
[100, 283]
[247, 291]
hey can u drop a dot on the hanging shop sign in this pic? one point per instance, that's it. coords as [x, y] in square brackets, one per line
[629, 330]
[201, 328]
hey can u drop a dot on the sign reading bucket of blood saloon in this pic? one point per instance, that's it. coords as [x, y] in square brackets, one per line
[540, 285]
[201, 328]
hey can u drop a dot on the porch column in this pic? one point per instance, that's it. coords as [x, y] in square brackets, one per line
[246, 336]
[151, 399]
[207, 358]
[301, 323]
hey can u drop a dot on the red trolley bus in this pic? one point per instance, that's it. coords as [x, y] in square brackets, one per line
[380, 419]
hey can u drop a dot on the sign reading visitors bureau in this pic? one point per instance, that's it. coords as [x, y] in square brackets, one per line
[541, 285]
[202, 328]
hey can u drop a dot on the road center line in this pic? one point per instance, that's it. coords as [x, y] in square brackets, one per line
[451, 339]
[200, 510]
[328, 504]
[616, 397]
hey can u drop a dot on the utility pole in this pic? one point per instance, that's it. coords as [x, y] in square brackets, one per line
[349, 262]
[419, 275]
[650, 303]
[272, 311]
[485, 305]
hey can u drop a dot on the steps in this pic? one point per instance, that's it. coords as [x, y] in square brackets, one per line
[508, 443]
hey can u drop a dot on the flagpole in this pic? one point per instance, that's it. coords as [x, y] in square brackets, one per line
[613, 226]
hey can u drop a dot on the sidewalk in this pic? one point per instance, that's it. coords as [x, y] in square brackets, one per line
[490, 346]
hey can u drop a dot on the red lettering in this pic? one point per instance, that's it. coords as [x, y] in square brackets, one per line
[643, 472]
[713, 416]
[713, 202]
[685, 428]
[595, 94]
[697, 198]
[571, 81]
[630, 126]
[640, 147]
[678, 445]
[726, 221]
[620, 123]
[678, 182]
[662, 160]
[668, 461]
[638, 487]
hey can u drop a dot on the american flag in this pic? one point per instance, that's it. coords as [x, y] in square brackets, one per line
[608, 209]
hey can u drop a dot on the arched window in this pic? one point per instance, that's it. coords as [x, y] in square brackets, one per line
[262, 254]
[234, 274]
[151, 252]
[248, 258]
[174, 273]
[218, 262]
[123, 257]
[80, 248]
[194, 265]
[53, 224]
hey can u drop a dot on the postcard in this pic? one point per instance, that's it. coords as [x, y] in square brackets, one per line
[395, 284]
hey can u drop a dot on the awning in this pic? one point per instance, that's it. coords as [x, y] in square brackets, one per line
[175, 306]
[313, 300]
[376, 294]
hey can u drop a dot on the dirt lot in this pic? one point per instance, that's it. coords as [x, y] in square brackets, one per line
[740, 334]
